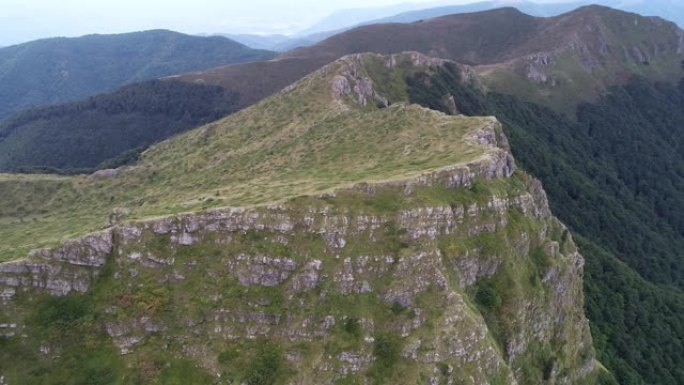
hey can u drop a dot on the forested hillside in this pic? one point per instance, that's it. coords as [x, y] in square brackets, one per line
[56, 70]
[112, 128]
[615, 176]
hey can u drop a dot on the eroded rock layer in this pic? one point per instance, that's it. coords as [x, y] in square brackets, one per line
[460, 276]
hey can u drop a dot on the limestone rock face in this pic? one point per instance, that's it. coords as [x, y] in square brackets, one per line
[351, 84]
[469, 279]
[68, 268]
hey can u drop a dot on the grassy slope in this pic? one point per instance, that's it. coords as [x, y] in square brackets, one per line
[302, 141]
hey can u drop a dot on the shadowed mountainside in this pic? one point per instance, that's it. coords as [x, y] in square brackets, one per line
[62, 69]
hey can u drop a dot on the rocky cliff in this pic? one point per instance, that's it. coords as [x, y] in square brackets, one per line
[458, 274]
[461, 276]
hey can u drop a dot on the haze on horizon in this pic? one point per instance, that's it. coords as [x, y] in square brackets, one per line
[25, 20]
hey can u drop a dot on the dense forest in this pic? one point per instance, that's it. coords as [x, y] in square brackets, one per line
[615, 175]
[108, 130]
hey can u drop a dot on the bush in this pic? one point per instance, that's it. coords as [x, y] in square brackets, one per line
[486, 295]
[352, 326]
[267, 367]
[387, 352]
[63, 312]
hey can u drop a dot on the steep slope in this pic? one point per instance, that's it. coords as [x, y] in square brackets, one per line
[58, 70]
[380, 244]
[557, 62]
[575, 57]
[614, 176]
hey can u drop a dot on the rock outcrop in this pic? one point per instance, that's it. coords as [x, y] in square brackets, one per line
[463, 270]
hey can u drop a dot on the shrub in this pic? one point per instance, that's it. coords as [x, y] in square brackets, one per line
[267, 366]
[63, 312]
[387, 352]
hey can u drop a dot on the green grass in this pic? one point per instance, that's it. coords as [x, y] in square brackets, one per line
[299, 142]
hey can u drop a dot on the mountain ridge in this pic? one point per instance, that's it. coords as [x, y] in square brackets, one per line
[521, 56]
[402, 37]
[414, 223]
[651, 8]
[597, 183]
[338, 101]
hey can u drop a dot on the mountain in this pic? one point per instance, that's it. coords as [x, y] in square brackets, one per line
[522, 51]
[580, 54]
[527, 7]
[558, 62]
[666, 9]
[63, 69]
[267, 42]
[346, 20]
[111, 129]
[619, 189]
[374, 243]
[611, 169]
[342, 21]
[669, 9]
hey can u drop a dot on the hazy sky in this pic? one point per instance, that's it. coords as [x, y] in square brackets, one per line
[23, 20]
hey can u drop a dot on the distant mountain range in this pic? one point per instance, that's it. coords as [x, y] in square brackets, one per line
[63, 69]
[513, 49]
[558, 62]
[258, 41]
[407, 13]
